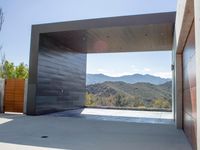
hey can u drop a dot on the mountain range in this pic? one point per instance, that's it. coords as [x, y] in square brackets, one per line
[121, 94]
[147, 78]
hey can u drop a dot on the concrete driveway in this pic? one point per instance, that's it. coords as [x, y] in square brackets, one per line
[20, 132]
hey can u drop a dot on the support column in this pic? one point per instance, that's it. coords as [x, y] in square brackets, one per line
[25, 95]
[197, 46]
[33, 68]
[173, 83]
[179, 91]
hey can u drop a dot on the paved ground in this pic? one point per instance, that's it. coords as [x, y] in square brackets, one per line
[119, 115]
[20, 132]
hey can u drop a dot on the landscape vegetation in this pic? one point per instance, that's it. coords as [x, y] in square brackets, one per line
[7, 69]
[134, 91]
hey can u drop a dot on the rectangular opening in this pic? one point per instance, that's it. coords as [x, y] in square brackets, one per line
[138, 81]
[57, 79]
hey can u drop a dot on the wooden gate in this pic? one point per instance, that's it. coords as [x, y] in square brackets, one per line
[14, 95]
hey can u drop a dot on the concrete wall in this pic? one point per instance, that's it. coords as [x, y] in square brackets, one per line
[2, 83]
[188, 12]
[178, 91]
[61, 78]
[197, 47]
[25, 95]
[189, 88]
[184, 19]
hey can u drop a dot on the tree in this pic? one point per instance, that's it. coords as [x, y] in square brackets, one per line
[21, 71]
[2, 61]
[121, 101]
[161, 103]
[2, 55]
[10, 71]
[1, 18]
[89, 99]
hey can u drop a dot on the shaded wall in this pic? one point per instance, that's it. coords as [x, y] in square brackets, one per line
[61, 77]
[189, 88]
[2, 84]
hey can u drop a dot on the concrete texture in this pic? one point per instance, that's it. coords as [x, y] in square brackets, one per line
[19, 132]
[120, 115]
[25, 95]
[197, 46]
[189, 89]
[178, 91]
[2, 84]
[184, 19]
[187, 11]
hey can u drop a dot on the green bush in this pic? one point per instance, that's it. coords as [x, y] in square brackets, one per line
[10, 71]
[161, 103]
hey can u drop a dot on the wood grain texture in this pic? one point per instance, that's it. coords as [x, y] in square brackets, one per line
[189, 89]
[14, 95]
[117, 39]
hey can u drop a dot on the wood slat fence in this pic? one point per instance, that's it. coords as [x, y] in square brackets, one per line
[14, 95]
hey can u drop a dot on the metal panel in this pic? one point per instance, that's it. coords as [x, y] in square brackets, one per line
[61, 78]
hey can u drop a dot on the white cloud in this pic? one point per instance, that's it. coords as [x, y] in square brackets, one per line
[163, 74]
[134, 70]
[101, 70]
[147, 69]
[133, 66]
[114, 73]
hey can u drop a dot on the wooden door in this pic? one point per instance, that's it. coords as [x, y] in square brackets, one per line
[14, 95]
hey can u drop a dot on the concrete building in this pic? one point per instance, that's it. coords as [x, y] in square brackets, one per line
[58, 59]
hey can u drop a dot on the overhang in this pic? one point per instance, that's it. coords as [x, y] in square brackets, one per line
[147, 32]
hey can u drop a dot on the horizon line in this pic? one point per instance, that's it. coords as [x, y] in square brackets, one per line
[126, 75]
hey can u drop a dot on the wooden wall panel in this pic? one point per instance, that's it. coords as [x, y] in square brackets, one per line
[189, 89]
[14, 95]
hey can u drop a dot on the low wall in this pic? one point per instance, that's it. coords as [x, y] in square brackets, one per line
[2, 82]
[2, 94]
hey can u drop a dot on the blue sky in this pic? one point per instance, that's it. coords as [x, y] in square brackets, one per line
[119, 64]
[21, 14]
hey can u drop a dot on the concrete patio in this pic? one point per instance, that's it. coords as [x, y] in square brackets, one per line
[73, 133]
[135, 116]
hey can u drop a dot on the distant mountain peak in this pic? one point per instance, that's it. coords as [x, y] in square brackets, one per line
[147, 78]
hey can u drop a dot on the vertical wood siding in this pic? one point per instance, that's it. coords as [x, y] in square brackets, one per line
[14, 95]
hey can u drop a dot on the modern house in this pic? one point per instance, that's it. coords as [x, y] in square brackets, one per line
[58, 59]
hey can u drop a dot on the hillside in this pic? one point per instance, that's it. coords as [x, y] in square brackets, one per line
[100, 78]
[121, 94]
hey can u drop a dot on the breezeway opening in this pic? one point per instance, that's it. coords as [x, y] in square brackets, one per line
[59, 51]
[131, 80]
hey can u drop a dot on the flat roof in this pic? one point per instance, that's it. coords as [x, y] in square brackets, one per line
[146, 32]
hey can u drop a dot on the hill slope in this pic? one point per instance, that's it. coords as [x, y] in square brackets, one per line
[130, 95]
